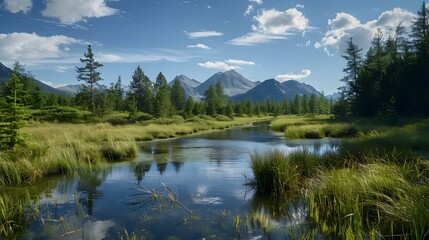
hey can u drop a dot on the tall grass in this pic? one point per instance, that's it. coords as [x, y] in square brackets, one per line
[276, 173]
[65, 148]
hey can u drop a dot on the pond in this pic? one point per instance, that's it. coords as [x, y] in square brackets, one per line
[186, 188]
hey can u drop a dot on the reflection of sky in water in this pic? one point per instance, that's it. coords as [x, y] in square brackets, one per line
[207, 171]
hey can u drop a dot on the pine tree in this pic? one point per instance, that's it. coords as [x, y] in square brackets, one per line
[163, 106]
[89, 74]
[354, 61]
[314, 104]
[142, 89]
[189, 106]
[13, 113]
[211, 100]
[116, 95]
[178, 97]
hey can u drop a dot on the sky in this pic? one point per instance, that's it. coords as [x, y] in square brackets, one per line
[301, 40]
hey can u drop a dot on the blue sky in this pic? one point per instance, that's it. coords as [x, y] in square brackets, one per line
[261, 39]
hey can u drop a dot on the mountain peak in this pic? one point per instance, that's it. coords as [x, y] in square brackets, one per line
[233, 83]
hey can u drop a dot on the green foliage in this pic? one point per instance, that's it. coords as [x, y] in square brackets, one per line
[61, 114]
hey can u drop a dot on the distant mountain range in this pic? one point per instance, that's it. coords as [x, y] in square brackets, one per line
[271, 89]
[72, 90]
[6, 74]
[235, 86]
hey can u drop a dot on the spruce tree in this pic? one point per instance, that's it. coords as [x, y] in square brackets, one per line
[13, 113]
[178, 96]
[163, 106]
[89, 74]
[142, 89]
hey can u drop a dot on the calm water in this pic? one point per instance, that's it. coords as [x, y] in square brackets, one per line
[205, 173]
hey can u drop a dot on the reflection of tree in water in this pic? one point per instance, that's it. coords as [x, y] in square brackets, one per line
[88, 183]
[140, 170]
[161, 166]
[177, 165]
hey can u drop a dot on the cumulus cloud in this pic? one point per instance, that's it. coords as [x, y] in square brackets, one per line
[256, 1]
[73, 11]
[273, 24]
[202, 34]
[293, 76]
[15, 6]
[199, 45]
[299, 6]
[345, 25]
[249, 10]
[226, 65]
[29, 46]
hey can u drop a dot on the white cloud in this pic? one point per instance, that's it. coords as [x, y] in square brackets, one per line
[279, 22]
[15, 6]
[293, 76]
[239, 62]
[299, 6]
[30, 46]
[249, 10]
[61, 69]
[255, 38]
[202, 34]
[256, 1]
[199, 45]
[141, 57]
[73, 11]
[271, 25]
[345, 25]
[226, 65]
[218, 65]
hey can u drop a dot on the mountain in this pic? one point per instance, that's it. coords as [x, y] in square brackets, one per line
[334, 96]
[272, 89]
[232, 82]
[188, 85]
[72, 90]
[6, 73]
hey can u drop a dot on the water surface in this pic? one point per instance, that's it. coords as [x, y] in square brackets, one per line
[205, 173]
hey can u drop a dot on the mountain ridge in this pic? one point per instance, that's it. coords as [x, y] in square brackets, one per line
[272, 89]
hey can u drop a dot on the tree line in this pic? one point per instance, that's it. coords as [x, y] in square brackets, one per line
[21, 100]
[392, 78]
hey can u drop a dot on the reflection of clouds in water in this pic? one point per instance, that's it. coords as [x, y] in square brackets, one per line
[94, 229]
[201, 199]
[201, 190]
[207, 200]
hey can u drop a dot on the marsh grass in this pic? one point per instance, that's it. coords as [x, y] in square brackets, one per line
[315, 127]
[65, 148]
[277, 173]
[15, 214]
[352, 195]
[378, 196]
